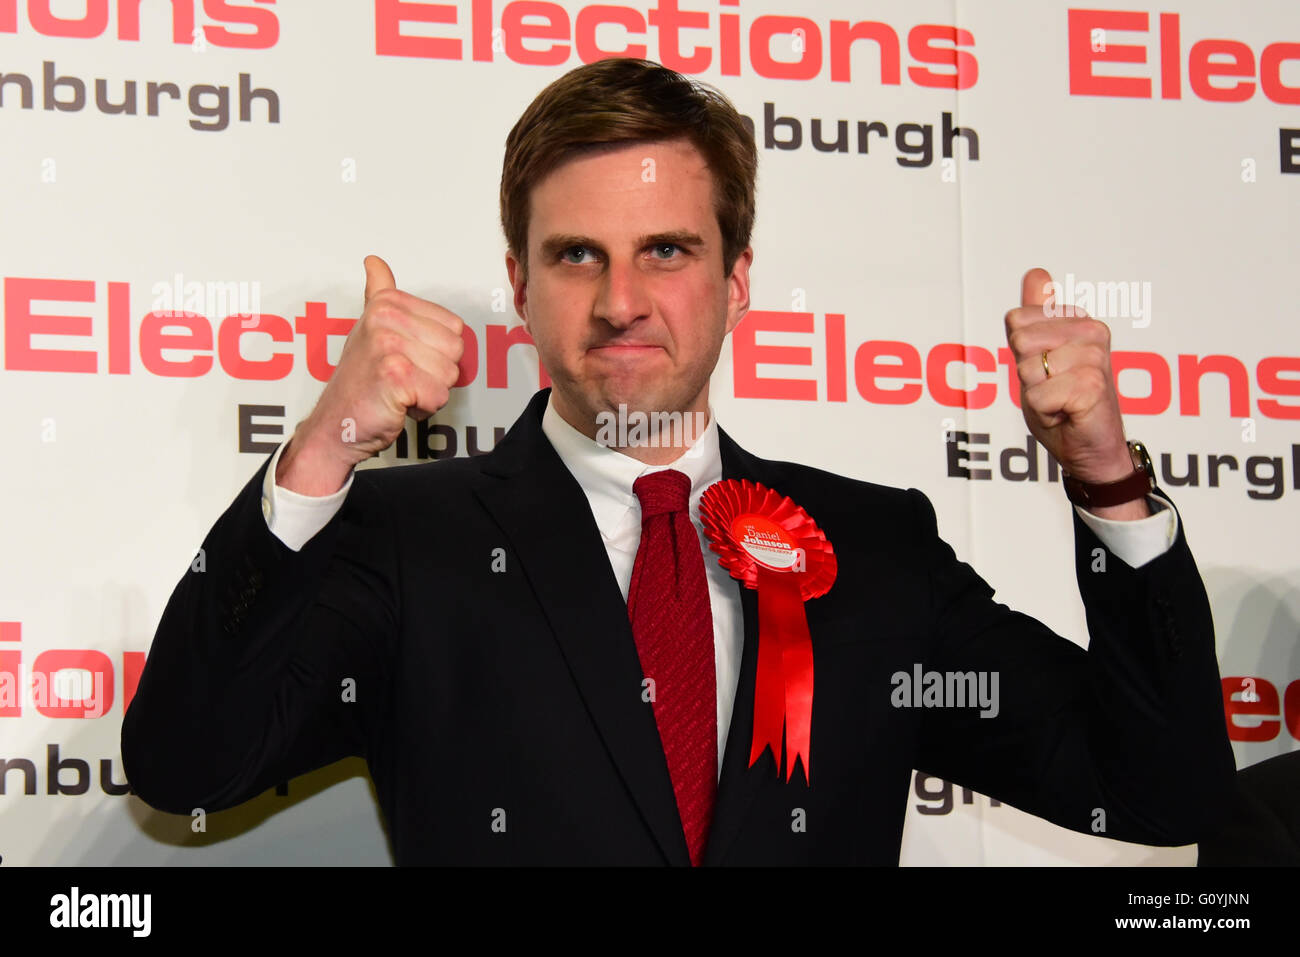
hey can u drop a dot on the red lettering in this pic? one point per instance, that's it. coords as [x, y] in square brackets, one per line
[836, 363]
[1263, 702]
[1270, 72]
[936, 375]
[1171, 83]
[128, 20]
[266, 28]
[92, 24]
[11, 693]
[1291, 708]
[1207, 60]
[867, 369]
[119, 328]
[100, 699]
[1190, 370]
[747, 354]
[1083, 82]
[1155, 401]
[21, 324]
[316, 326]
[233, 329]
[1200, 69]
[499, 341]
[1268, 372]
[936, 48]
[729, 42]
[670, 22]
[1005, 358]
[390, 41]
[47, 666]
[153, 340]
[843, 36]
[809, 47]
[965, 68]
[589, 18]
[517, 31]
[481, 11]
[264, 34]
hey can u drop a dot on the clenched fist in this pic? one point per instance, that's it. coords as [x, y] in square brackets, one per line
[1067, 388]
[401, 358]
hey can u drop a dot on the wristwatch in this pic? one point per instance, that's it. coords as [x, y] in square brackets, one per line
[1102, 494]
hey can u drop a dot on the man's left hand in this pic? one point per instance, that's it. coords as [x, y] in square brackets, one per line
[1074, 411]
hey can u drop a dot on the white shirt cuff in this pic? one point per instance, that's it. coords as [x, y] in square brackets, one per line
[295, 518]
[1139, 540]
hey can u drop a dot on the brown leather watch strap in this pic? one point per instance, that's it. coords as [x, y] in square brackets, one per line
[1103, 494]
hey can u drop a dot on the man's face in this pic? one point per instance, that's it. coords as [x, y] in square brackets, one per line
[624, 294]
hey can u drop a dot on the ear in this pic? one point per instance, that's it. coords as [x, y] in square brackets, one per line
[519, 282]
[738, 289]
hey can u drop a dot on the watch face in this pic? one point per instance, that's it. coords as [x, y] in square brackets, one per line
[1141, 458]
[1142, 461]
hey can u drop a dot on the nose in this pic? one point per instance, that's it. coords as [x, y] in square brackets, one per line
[623, 297]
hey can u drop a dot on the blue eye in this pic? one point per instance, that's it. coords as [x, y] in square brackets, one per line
[580, 249]
[668, 246]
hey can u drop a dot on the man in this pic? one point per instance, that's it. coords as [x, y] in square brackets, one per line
[528, 646]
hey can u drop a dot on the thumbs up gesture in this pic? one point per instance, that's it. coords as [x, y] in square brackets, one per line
[1067, 389]
[402, 357]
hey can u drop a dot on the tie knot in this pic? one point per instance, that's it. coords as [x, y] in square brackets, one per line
[664, 491]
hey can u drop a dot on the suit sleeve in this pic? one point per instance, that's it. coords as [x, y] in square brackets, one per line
[1126, 739]
[267, 662]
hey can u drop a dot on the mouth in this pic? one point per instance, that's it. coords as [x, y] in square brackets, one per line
[625, 349]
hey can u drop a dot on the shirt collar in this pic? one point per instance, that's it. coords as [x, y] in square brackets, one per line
[607, 475]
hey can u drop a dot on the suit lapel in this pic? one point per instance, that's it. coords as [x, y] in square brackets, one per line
[739, 783]
[544, 514]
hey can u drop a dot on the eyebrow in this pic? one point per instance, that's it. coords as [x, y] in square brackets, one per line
[552, 246]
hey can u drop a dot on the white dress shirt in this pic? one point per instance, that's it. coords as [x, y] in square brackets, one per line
[607, 475]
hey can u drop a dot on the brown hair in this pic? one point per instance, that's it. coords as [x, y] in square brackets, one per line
[626, 100]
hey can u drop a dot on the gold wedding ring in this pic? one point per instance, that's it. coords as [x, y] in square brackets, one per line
[1046, 368]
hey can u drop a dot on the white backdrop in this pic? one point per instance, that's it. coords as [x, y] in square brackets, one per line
[368, 139]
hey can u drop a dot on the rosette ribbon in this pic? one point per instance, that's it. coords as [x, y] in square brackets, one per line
[770, 544]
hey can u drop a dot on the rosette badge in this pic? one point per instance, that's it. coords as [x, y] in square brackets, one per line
[772, 545]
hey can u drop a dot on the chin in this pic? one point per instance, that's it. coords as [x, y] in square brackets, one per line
[631, 391]
[638, 393]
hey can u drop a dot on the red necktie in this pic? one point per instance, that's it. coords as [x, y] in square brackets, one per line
[668, 604]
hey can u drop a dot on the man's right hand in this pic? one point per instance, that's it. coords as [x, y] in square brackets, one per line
[402, 357]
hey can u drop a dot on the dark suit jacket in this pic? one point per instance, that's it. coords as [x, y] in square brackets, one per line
[1260, 824]
[514, 697]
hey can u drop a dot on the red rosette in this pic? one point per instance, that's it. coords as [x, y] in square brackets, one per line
[769, 543]
[724, 502]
